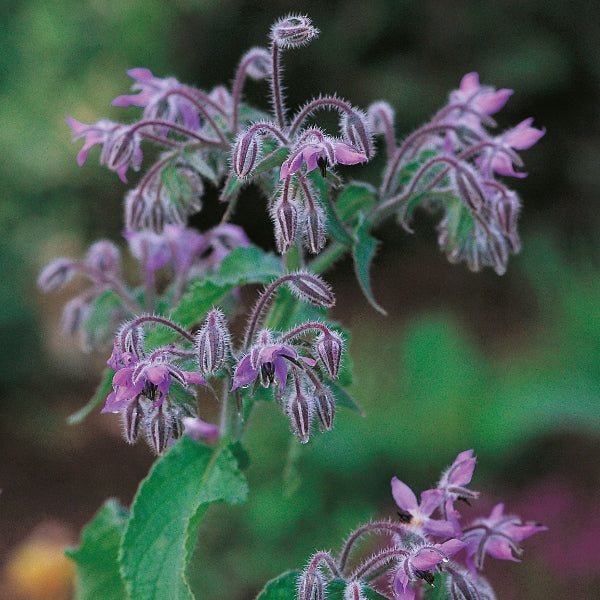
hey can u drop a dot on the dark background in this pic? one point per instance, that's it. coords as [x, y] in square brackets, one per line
[505, 365]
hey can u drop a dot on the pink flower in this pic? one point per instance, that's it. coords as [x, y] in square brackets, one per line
[160, 98]
[481, 99]
[318, 150]
[498, 536]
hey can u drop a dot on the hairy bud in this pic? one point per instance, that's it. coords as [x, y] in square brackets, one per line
[56, 274]
[462, 585]
[293, 31]
[121, 151]
[468, 189]
[159, 431]
[213, 342]
[310, 586]
[245, 153]
[105, 257]
[314, 229]
[329, 347]
[311, 288]
[259, 63]
[353, 591]
[300, 412]
[135, 210]
[75, 313]
[285, 218]
[132, 418]
[356, 130]
[380, 116]
[507, 211]
[325, 406]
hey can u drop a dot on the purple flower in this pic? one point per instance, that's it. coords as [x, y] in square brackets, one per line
[318, 150]
[485, 100]
[501, 157]
[160, 99]
[150, 248]
[269, 362]
[418, 516]
[454, 479]
[150, 377]
[498, 536]
[119, 148]
[195, 428]
[417, 565]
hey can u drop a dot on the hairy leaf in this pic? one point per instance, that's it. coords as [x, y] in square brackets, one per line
[166, 514]
[96, 558]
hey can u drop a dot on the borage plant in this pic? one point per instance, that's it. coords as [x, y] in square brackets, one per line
[173, 350]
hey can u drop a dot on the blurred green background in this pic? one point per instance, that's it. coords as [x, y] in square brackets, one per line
[506, 365]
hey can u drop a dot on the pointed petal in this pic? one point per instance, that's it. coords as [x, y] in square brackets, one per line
[403, 495]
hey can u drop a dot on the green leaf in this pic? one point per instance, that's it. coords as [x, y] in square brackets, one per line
[363, 252]
[195, 160]
[248, 265]
[96, 558]
[104, 388]
[355, 197]
[343, 398]
[270, 160]
[283, 587]
[100, 325]
[166, 514]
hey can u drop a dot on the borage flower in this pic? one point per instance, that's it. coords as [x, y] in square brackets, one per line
[416, 565]
[417, 517]
[120, 149]
[268, 362]
[319, 150]
[161, 98]
[498, 536]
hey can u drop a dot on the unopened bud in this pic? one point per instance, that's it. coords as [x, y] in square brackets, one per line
[353, 591]
[507, 211]
[314, 230]
[259, 63]
[461, 585]
[299, 410]
[132, 418]
[104, 256]
[293, 31]
[213, 342]
[469, 190]
[285, 217]
[75, 313]
[56, 274]
[310, 586]
[325, 406]
[311, 288]
[135, 210]
[132, 339]
[245, 153]
[329, 347]
[356, 130]
[380, 116]
[120, 151]
[159, 431]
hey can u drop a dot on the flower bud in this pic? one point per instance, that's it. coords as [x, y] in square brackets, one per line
[329, 347]
[213, 342]
[314, 229]
[293, 31]
[245, 153]
[469, 190]
[356, 130]
[353, 591]
[105, 257]
[259, 63]
[132, 418]
[300, 412]
[462, 585]
[75, 313]
[507, 211]
[120, 151]
[311, 288]
[135, 210]
[310, 586]
[158, 431]
[325, 406]
[380, 116]
[56, 274]
[285, 217]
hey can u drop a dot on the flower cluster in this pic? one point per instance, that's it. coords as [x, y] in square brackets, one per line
[423, 545]
[454, 161]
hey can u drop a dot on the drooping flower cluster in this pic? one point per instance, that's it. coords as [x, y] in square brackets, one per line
[422, 547]
[450, 164]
